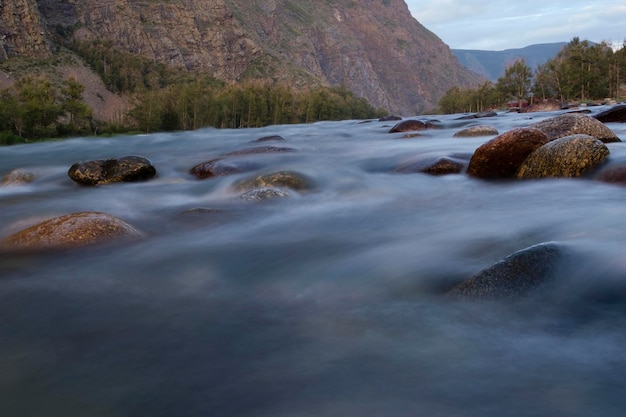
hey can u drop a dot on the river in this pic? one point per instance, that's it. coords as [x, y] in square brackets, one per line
[329, 302]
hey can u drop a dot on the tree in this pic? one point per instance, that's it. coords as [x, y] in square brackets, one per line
[37, 110]
[78, 113]
[516, 81]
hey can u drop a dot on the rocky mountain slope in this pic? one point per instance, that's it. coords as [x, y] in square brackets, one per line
[373, 47]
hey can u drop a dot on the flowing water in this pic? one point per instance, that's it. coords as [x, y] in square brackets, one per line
[329, 302]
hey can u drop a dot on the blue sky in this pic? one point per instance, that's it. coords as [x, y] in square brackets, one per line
[498, 25]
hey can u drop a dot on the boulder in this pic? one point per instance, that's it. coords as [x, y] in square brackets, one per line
[260, 150]
[517, 274]
[124, 169]
[71, 230]
[474, 131]
[18, 177]
[261, 194]
[479, 115]
[409, 126]
[502, 156]
[575, 123]
[271, 138]
[280, 179]
[614, 114]
[390, 118]
[570, 156]
[221, 167]
[433, 166]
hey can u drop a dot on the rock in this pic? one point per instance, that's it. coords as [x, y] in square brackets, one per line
[439, 166]
[502, 156]
[259, 150]
[575, 123]
[517, 274]
[280, 179]
[409, 126]
[389, 118]
[221, 167]
[612, 172]
[570, 156]
[271, 138]
[125, 169]
[18, 177]
[478, 115]
[71, 230]
[614, 114]
[266, 193]
[474, 131]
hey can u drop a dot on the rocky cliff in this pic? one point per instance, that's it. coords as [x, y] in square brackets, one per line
[374, 47]
[22, 31]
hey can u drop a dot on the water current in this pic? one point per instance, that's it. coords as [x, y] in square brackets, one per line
[330, 302]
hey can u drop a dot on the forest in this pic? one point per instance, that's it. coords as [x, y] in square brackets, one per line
[164, 99]
[581, 72]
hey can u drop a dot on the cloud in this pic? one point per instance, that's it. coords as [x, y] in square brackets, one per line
[473, 24]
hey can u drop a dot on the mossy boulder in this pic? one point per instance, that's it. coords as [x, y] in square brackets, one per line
[575, 123]
[107, 171]
[570, 156]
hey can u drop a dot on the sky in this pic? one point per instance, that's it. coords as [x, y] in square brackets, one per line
[499, 25]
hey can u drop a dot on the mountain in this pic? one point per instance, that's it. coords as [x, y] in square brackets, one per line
[373, 47]
[492, 64]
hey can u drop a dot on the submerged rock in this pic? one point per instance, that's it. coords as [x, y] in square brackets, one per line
[570, 156]
[281, 179]
[479, 115]
[270, 138]
[261, 194]
[71, 230]
[502, 156]
[438, 166]
[221, 167]
[614, 114]
[474, 131]
[409, 126]
[575, 123]
[124, 169]
[18, 177]
[517, 274]
[259, 150]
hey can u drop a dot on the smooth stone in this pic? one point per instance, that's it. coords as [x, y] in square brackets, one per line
[570, 156]
[479, 115]
[124, 169]
[221, 167]
[260, 150]
[409, 126]
[438, 166]
[612, 173]
[271, 138]
[575, 123]
[474, 131]
[614, 114]
[280, 179]
[261, 194]
[502, 156]
[517, 274]
[71, 230]
[18, 177]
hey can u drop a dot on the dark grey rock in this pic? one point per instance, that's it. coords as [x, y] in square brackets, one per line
[124, 169]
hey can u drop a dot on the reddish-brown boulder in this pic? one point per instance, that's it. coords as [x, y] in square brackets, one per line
[502, 156]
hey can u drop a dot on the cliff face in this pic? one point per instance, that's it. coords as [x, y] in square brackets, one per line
[373, 47]
[21, 30]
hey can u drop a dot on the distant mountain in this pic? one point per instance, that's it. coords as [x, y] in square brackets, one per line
[491, 64]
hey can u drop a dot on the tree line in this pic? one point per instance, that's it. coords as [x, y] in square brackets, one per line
[581, 71]
[163, 99]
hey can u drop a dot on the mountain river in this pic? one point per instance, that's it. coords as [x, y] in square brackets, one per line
[326, 302]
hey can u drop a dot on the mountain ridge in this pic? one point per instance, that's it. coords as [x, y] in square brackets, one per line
[492, 64]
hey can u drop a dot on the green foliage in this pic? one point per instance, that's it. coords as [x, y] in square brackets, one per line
[250, 104]
[35, 109]
[581, 71]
